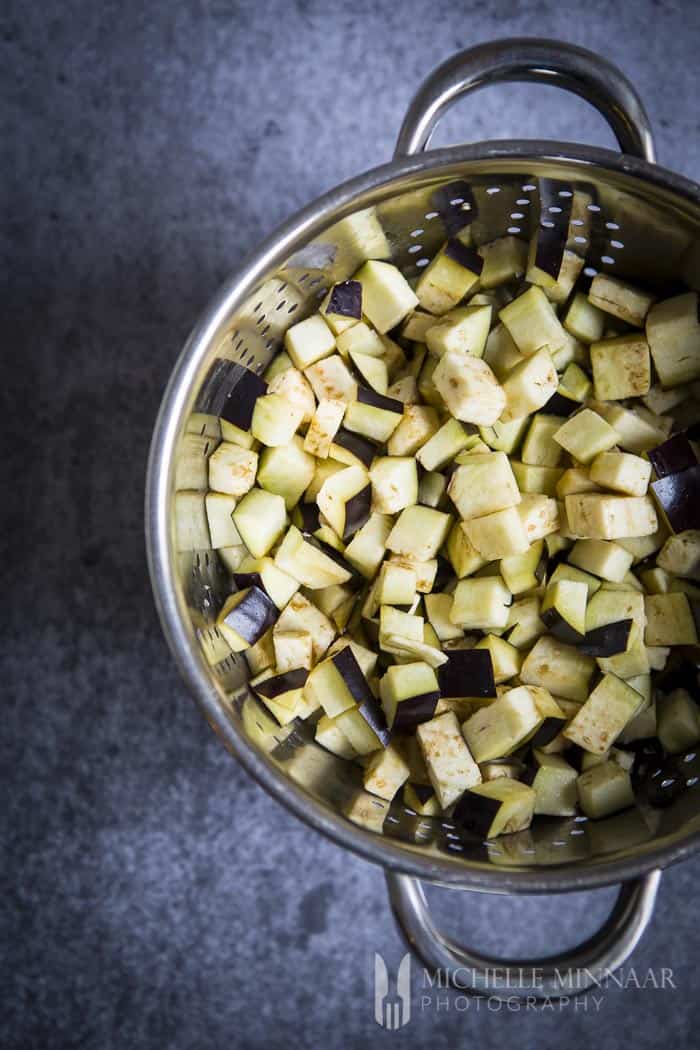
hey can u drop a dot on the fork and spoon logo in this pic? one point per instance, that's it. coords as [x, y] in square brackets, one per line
[392, 1011]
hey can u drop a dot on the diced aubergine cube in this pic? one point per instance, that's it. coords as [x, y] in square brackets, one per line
[678, 721]
[586, 435]
[498, 535]
[448, 278]
[554, 784]
[481, 603]
[394, 483]
[409, 695]
[422, 799]
[499, 807]
[592, 515]
[260, 518]
[467, 673]
[680, 555]
[678, 496]
[469, 388]
[386, 294]
[311, 566]
[286, 471]
[529, 386]
[621, 472]
[606, 712]
[416, 428]
[673, 456]
[621, 367]
[263, 573]
[499, 728]
[615, 297]
[673, 331]
[332, 380]
[329, 736]
[604, 789]
[464, 330]
[448, 760]
[232, 469]
[532, 322]
[483, 485]
[608, 640]
[275, 420]
[309, 341]
[419, 532]
[559, 668]
[245, 617]
[222, 531]
[385, 773]
[670, 620]
[345, 501]
[295, 389]
[506, 661]
[563, 611]
[373, 415]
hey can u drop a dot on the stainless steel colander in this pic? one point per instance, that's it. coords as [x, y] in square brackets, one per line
[643, 223]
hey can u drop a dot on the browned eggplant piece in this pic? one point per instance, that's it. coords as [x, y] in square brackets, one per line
[468, 672]
[673, 456]
[346, 299]
[679, 497]
[608, 640]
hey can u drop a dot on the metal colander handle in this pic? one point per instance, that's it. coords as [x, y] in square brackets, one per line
[565, 975]
[529, 59]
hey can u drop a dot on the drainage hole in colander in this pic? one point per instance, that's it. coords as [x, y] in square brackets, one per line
[528, 187]
[517, 215]
[607, 260]
[522, 201]
[590, 271]
[431, 214]
[416, 233]
[281, 304]
[616, 244]
[513, 229]
[593, 207]
[493, 189]
[422, 262]
[415, 248]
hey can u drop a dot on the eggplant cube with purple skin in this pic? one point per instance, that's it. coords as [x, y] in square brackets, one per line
[452, 273]
[245, 617]
[345, 499]
[409, 695]
[498, 807]
[499, 728]
[451, 767]
[387, 297]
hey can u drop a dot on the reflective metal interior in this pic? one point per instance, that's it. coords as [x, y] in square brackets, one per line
[637, 222]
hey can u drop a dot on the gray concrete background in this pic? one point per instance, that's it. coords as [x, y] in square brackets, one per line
[150, 894]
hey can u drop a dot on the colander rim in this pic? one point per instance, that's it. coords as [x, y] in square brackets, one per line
[361, 191]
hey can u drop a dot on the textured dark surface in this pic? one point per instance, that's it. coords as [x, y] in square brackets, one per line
[152, 896]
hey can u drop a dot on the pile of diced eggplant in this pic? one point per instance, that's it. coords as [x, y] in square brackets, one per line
[462, 520]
